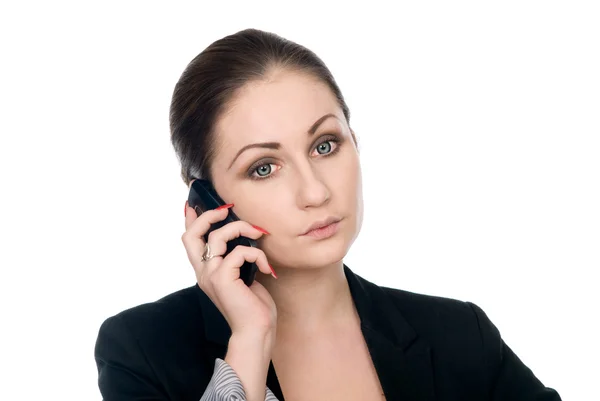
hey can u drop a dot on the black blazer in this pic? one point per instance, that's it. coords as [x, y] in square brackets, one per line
[423, 348]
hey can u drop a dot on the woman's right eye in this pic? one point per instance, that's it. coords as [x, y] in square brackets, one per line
[262, 172]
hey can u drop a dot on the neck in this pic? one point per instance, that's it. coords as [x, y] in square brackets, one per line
[310, 299]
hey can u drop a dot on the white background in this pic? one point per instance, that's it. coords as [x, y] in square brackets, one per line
[478, 129]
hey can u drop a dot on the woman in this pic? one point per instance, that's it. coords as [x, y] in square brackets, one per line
[263, 119]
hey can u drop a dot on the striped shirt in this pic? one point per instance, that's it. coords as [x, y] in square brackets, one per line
[225, 385]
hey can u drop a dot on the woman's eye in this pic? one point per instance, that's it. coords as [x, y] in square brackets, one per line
[264, 170]
[326, 147]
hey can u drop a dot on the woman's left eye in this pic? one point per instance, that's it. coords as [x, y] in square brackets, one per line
[326, 147]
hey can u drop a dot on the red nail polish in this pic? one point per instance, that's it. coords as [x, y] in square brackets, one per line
[272, 271]
[227, 206]
[185, 209]
[262, 230]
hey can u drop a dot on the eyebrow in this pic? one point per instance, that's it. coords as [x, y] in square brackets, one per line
[277, 145]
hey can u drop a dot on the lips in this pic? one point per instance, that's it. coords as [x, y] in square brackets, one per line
[322, 223]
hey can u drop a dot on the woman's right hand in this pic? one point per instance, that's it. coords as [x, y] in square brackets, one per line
[250, 310]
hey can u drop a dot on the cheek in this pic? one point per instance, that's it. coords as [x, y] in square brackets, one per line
[350, 189]
[347, 176]
[266, 209]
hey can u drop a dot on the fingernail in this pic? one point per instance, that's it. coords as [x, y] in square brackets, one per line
[272, 271]
[185, 209]
[262, 230]
[227, 206]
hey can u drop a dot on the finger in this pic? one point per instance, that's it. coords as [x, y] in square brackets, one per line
[193, 239]
[190, 216]
[229, 268]
[197, 226]
[218, 238]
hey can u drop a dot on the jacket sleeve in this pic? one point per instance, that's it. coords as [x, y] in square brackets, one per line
[125, 375]
[509, 378]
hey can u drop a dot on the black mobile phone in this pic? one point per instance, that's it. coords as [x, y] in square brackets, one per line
[203, 197]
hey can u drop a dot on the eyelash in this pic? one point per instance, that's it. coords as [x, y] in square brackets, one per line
[255, 166]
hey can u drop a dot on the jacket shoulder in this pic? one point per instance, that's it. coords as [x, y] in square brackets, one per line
[414, 304]
[156, 348]
[440, 320]
[165, 319]
[168, 308]
[466, 345]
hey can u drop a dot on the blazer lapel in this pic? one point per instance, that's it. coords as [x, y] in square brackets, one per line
[402, 360]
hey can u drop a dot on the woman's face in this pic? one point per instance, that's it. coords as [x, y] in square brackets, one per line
[306, 170]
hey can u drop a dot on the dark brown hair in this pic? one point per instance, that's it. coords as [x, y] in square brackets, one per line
[211, 80]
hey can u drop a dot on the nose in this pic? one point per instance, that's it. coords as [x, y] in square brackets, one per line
[312, 190]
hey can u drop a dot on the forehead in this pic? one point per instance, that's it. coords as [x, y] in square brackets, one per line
[285, 104]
